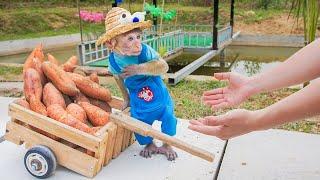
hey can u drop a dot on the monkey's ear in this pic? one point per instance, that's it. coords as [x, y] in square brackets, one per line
[111, 44]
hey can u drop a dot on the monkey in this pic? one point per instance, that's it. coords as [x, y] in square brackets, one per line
[137, 69]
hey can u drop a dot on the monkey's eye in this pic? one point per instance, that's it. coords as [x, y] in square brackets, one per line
[138, 36]
[130, 38]
[125, 18]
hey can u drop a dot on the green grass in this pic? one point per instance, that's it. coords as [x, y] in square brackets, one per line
[5, 70]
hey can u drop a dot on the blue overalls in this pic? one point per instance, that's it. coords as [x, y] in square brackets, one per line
[149, 100]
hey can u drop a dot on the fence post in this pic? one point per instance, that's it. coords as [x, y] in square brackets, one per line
[215, 23]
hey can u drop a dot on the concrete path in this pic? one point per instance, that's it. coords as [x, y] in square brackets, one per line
[27, 45]
[272, 154]
[4, 102]
[129, 165]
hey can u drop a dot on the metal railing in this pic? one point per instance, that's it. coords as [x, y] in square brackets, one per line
[169, 42]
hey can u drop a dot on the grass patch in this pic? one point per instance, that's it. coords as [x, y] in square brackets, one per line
[10, 73]
[8, 70]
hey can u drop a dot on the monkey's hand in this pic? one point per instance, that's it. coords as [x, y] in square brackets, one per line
[131, 71]
[157, 67]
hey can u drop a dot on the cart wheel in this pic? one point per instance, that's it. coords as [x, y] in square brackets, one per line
[40, 161]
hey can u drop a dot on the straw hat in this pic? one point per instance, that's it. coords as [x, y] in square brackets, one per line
[119, 21]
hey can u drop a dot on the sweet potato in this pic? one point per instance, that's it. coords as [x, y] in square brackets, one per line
[60, 79]
[37, 66]
[52, 59]
[79, 71]
[51, 95]
[32, 84]
[80, 98]
[101, 71]
[101, 104]
[71, 64]
[57, 112]
[22, 103]
[36, 53]
[37, 106]
[39, 52]
[94, 77]
[91, 88]
[67, 99]
[35, 63]
[96, 115]
[25, 104]
[77, 111]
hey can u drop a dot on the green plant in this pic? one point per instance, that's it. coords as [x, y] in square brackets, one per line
[309, 10]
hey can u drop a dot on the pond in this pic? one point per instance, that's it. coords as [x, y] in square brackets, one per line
[246, 60]
[242, 59]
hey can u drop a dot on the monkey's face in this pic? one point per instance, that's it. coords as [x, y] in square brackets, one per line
[129, 44]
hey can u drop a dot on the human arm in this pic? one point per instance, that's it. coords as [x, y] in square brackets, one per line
[300, 67]
[302, 104]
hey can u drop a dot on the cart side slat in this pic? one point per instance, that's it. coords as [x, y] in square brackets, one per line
[118, 142]
[54, 127]
[126, 135]
[66, 156]
[124, 139]
[133, 138]
[116, 103]
[110, 145]
[100, 155]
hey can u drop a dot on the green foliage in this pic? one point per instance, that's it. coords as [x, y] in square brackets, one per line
[156, 12]
[309, 10]
[169, 15]
[162, 51]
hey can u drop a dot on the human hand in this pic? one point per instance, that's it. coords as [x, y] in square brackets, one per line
[237, 91]
[131, 71]
[231, 124]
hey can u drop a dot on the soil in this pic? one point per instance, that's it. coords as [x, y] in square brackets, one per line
[280, 25]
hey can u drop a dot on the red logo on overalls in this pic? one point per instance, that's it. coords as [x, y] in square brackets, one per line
[146, 94]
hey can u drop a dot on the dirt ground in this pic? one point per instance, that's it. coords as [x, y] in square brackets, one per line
[280, 24]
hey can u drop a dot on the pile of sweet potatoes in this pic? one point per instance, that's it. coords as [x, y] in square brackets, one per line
[56, 91]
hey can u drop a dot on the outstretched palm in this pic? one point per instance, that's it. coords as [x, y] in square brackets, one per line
[232, 95]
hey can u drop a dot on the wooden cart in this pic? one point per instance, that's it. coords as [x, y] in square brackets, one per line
[70, 151]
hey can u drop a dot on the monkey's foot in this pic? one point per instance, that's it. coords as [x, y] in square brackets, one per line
[168, 152]
[148, 150]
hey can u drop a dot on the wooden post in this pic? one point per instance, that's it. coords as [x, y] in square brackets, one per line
[80, 21]
[222, 59]
[161, 19]
[155, 19]
[115, 4]
[215, 23]
[232, 16]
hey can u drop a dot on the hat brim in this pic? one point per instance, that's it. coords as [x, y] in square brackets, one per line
[123, 29]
